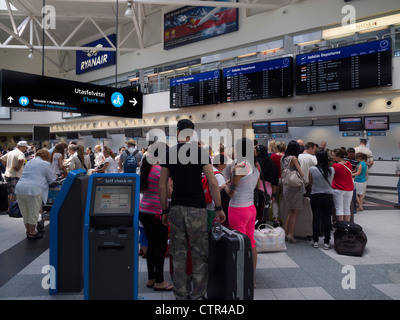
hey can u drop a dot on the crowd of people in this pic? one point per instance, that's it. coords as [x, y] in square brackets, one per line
[173, 203]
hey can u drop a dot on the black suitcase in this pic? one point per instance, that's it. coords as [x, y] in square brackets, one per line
[350, 239]
[230, 265]
[3, 197]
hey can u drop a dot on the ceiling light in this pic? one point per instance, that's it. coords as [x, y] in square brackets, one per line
[30, 55]
[129, 12]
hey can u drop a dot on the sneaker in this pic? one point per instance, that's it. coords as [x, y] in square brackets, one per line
[315, 244]
[327, 246]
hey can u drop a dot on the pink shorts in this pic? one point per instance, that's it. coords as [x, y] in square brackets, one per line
[243, 220]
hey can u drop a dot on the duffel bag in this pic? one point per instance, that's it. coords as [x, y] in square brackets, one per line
[350, 244]
[347, 226]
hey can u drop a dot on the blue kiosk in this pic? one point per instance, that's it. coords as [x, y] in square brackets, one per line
[66, 233]
[111, 237]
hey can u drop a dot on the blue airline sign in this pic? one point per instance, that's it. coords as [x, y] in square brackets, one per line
[89, 60]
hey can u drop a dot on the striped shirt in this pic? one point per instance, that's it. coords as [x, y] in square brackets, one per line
[150, 202]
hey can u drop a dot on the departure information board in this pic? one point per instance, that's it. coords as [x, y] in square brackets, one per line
[194, 90]
[261, 80]
[358, 66]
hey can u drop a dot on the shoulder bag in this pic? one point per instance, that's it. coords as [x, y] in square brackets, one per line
[291, 178]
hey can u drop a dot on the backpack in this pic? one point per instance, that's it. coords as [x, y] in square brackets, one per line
[130, 163]
[206, 188]
[14, 211]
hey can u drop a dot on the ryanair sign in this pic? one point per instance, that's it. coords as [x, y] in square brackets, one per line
[89, 60]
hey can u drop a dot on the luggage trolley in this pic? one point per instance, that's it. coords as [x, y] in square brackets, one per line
[54, 189]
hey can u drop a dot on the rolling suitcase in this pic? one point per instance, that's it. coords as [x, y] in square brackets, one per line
[230, 265]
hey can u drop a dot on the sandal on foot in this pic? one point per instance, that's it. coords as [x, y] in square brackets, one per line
[168, 287]
[150, 283]
[31, 236]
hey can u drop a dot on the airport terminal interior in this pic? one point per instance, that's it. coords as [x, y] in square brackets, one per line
[105, 72]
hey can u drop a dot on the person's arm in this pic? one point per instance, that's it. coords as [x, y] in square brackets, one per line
[61, 164]
[235, 180]
[19, 165]
[170, 188]
[310, 180]
[103, 168]
[215, 193]
[358, 172]
[163, 193]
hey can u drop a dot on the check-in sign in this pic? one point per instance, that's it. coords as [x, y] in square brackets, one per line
[93, 59]
[24, 90]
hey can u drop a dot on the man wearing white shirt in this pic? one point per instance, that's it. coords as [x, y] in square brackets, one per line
[307, 160]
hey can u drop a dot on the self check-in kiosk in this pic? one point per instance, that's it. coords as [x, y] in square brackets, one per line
[66, 233]
[111, 237]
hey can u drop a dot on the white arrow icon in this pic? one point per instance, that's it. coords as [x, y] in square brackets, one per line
[134, 101]
[10, 99]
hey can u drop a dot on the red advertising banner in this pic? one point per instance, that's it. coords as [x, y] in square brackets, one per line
[191, 24]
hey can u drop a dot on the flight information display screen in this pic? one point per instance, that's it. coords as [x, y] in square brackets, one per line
[353, 67]
[350, 124]
[261, 80]
[194, 90]
[278, 127]
[379, 123]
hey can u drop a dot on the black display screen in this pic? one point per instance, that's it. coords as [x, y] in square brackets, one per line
[72, 135]
[102, 134]
[260, 127]
[261, 80]
[41, 133]
[24, 90]
[358, 66]
[278, 127]
[379, 123]
[350, 124]
[194, 90]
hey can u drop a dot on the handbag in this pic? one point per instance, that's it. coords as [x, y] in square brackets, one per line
[291, 178]
[270, 239]
[262, 200]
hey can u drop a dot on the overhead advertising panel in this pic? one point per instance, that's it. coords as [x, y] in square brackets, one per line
[194, 90]
[358, 66]
[24, 90]
[89, 60]
[191, 24]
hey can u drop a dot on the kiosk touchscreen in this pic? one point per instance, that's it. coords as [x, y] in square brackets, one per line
[111, 237]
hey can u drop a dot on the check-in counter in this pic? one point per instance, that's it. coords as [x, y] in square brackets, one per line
[382, 175]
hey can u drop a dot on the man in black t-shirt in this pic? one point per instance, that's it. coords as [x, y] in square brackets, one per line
[184, 164]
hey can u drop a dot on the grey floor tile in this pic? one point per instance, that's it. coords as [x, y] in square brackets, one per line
[264, 294]
[315, 293]
[288, 294]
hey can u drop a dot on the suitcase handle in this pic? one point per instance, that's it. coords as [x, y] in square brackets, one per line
[216, 231]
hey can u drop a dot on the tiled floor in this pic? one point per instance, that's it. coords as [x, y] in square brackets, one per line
[300, 273]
